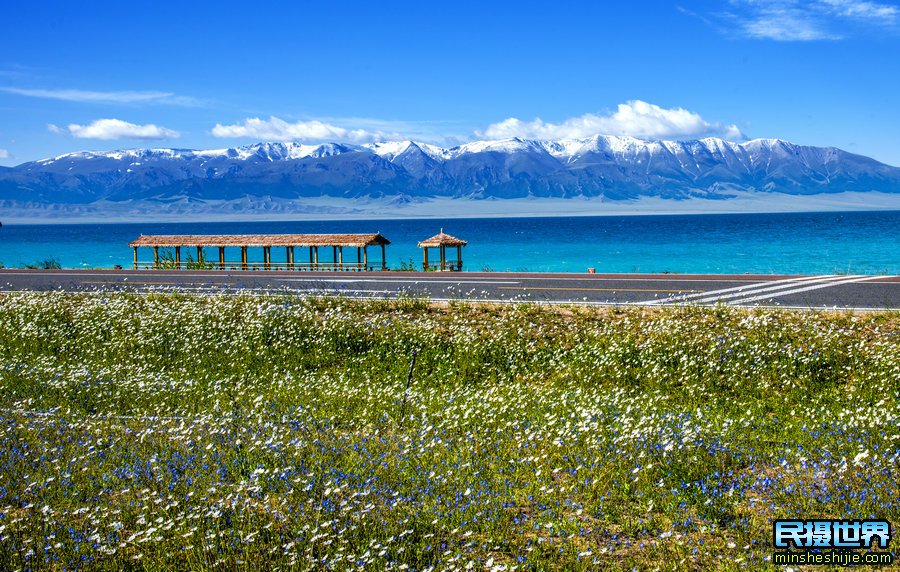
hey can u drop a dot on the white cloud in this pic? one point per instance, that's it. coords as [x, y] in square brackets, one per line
[435, 131]
[635, 118]
[275, 129]
[117, 129]
[786, 26]
[805, 20]
[122, 97]
[4, 154]
[879, 13]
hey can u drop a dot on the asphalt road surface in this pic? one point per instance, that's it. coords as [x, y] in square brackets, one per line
[818, 292]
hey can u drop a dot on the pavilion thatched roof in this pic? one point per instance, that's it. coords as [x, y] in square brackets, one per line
[357, 240]
[442, 239]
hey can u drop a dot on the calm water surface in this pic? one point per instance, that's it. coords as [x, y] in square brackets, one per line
[827, 243]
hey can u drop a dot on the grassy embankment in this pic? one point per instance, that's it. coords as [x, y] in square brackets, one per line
[179, 432]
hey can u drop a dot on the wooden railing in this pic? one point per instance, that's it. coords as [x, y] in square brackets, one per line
[449, 265]
[282, 266]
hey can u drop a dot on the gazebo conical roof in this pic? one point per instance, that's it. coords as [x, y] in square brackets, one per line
[442, 239]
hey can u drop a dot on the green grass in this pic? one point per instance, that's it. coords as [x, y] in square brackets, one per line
[174, 431]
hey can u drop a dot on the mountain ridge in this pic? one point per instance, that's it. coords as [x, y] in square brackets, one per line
[610, 168]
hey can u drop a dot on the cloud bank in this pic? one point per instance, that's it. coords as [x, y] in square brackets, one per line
[109, 129]
[806, 20]
[120, 97]
[4, 154]
[275, 129]
[634, 118]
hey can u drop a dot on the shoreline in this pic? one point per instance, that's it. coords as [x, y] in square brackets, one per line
[406, 273]
[326, 209]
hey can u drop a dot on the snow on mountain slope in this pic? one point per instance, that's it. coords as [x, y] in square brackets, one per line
[509, 146]
[565, 150]
[616, 168]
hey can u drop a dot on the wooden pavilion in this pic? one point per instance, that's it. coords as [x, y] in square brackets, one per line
[441, 241]
[337, 243]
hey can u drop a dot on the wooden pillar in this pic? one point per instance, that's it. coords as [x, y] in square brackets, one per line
[443, 257]
[358, 257]
[199, 256]
[365, 258]
[135, 257]
[425, 260]
[289, 254]
[341, 257]
[333, 257]
[178, 257]
[267, 257]
[221, 258]
[383, 261]
[243, 258]
[459, 257]
[310, 258]
[316, 257]
[156, 257]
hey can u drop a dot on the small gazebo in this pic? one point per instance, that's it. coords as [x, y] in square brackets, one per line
[441, 241]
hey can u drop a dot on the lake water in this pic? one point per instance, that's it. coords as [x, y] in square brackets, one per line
[807, 243]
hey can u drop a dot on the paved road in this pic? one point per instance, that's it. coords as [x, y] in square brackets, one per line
[838, 291]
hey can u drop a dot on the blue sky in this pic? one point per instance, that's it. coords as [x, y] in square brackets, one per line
[108, 75]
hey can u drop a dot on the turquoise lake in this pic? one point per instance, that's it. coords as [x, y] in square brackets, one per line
[784, 243]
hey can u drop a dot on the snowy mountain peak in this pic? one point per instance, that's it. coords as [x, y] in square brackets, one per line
[611, 167]
[565, 150]
[389, 149]
[511, 145]
[766, 143]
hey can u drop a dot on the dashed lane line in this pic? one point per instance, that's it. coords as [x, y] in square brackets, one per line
[530, 288]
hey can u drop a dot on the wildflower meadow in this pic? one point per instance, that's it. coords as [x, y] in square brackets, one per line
[176, 431]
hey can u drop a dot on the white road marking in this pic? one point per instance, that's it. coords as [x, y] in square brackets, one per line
[649, 278]
[759, 290]
[745, 293]
[847, 280]
[749, 289]
[258, 292]
[349, 291]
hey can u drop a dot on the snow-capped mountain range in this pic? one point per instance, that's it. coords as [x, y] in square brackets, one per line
[606, 167]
